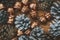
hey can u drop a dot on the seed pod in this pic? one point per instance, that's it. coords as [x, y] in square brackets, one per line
[22, 22]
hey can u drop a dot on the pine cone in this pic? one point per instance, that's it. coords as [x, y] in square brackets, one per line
[23, 37]
[44, 16]
[32, 38]
[7, 32]
[55, 28]
[1, 6]
[57, 37]
[55, 25]
[44, 4]
[3, 16]
[37, 32]
[8, 3]
[55, 10]
[46, 37]
[22, 22]
[25, 2]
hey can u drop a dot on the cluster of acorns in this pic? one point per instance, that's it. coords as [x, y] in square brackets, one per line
[27, 16]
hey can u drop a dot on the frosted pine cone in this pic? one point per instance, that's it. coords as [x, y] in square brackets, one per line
[36, 32]
[55, 25]
[32, 38]
[22, 22]
[46, 37]
[23, 37]
[55, 28]
[55, 10]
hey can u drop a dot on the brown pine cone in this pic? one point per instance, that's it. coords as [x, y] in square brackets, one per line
[19, 33]
[25, 2]
[34, 24]
[33, 14]
[18, 5]
[44, 16]
[42, 19]
[25, 9]
[11, 19]
[1, 6]
[7, 32]
[27, 32]
[48, 16]
[11, 15]
[33, 6]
